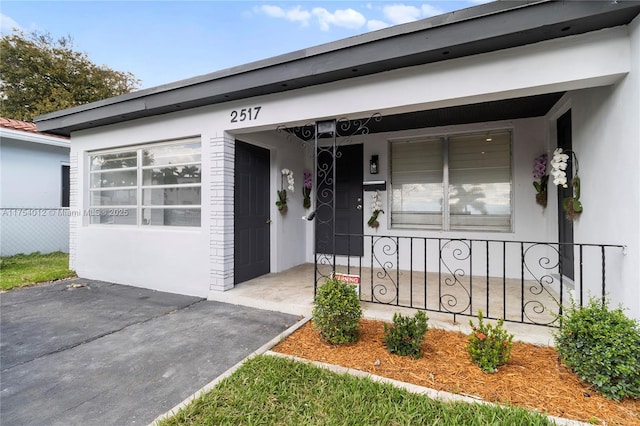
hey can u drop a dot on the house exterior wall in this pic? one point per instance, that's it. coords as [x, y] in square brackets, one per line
[606, 136]
[194, 261]
[31, 181]
[176, 260]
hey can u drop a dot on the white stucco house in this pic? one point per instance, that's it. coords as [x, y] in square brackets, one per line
[34, 189]
[445, 117]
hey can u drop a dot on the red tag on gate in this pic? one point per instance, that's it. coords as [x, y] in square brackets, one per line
[347, 278]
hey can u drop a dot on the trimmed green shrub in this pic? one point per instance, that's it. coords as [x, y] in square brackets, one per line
[602, 347]
[406, 334]
[337, 312]
[489, 345]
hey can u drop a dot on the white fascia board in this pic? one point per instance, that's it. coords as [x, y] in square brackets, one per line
[34, 138]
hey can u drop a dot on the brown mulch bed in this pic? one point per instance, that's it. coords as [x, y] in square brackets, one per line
[533, 378]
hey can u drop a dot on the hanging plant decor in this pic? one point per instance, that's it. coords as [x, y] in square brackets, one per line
[571, 205]
[282, 193]
[282, 201]
[306, 189]
[376, 209]
[542, 180]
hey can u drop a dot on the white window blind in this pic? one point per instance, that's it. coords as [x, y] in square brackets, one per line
[469, 187]
[416, 174]
[480, 182]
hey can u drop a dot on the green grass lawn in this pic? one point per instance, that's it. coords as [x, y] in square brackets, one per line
[268, 390]
[26, 269]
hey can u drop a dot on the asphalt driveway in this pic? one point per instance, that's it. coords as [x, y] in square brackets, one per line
[108, 354]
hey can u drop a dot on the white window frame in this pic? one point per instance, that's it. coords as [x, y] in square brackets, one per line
[446, 215]
[139, 207]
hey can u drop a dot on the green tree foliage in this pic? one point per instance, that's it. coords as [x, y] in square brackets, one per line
[39, 75]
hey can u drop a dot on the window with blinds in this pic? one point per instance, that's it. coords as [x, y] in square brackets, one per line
[460, 182]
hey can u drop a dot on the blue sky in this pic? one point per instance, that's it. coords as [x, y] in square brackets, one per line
[165, 41]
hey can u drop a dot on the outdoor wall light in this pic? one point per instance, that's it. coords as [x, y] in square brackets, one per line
[373, 165]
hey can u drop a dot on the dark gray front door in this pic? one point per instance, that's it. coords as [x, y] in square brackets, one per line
[565, 226]
[251, 212]
[348, 204]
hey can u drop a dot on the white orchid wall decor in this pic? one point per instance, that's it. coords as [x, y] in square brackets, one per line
[559, 163]
[376, 209]
[282, 193]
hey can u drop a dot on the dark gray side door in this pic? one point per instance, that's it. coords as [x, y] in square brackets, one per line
[565, 226]
[251, 212]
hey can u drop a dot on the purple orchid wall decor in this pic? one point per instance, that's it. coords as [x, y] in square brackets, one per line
[541, 181]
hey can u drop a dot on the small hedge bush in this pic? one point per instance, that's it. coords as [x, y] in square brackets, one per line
[602, 347]
[406, 334]
[337, 312]
[489, 345]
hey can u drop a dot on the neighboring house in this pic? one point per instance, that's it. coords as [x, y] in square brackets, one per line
[34, 189]
[453, 111]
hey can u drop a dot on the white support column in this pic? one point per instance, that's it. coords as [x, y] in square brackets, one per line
[221, 172]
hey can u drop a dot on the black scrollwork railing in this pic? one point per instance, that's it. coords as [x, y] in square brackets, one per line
[455, 296]
[540, 261]
[384, 254]
[520, 281]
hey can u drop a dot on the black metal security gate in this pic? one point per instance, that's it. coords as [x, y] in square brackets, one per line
[327, 156]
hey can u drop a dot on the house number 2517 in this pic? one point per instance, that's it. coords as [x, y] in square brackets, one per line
[245, 114]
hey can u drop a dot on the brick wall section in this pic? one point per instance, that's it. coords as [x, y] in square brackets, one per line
[221, 174]
[75, 221]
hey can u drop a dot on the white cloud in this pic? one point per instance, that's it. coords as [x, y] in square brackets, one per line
[428, 11]
[374, 24]
[7, 24]
[394, 14]
[401, 13]
[273, 11]
[346, 18]
[294, 14]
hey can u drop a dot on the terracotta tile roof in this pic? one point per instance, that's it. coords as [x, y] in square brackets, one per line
[23, 126]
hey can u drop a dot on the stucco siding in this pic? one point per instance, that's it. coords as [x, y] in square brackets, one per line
[31, 216]
[606, 140]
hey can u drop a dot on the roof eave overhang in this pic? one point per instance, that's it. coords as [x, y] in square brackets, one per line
[476, 30]
[9, 134]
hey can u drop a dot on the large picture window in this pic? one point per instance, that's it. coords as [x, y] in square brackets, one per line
[154, 185]
[459, 182]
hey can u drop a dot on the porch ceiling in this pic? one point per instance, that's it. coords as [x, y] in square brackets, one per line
[504, 109]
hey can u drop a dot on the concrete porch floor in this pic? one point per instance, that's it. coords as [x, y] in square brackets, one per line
[291, 292]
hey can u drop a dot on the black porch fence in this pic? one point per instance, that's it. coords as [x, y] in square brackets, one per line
[520, 281]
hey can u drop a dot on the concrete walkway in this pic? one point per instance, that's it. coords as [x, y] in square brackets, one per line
[83, 352]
